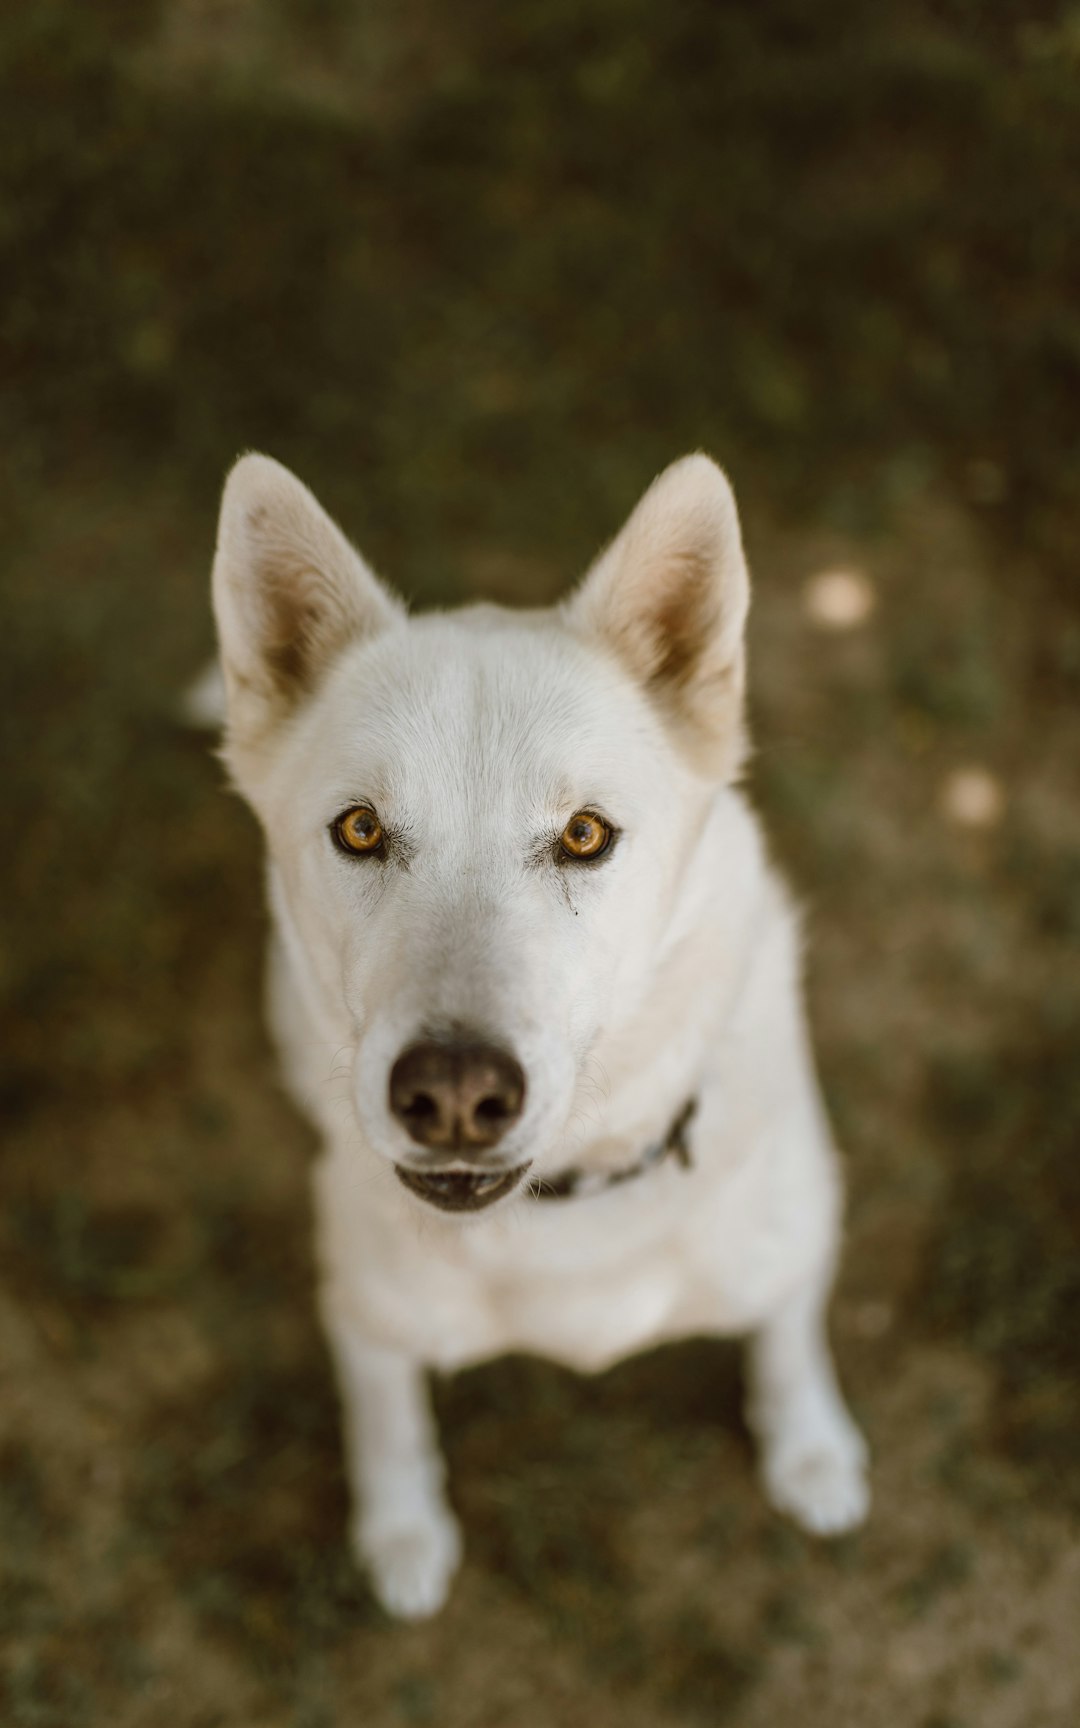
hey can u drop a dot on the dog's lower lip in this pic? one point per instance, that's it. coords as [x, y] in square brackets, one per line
[460, 1190]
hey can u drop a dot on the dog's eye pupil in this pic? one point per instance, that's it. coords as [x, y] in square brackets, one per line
[358, 830]
[585, 836]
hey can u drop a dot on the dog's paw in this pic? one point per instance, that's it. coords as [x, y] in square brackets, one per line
[822, 1485]
[411, 1567]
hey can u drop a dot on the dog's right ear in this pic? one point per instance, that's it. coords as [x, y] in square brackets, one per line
[289, 594]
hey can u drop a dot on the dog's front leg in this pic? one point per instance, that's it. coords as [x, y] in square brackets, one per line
[403, 1532]
[813, 1456]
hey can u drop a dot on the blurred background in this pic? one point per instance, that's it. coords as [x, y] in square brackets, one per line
[477, 272]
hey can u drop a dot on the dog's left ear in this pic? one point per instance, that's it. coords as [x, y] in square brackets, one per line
[670, 596]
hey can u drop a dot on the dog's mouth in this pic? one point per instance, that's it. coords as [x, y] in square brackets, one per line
[460, 1190]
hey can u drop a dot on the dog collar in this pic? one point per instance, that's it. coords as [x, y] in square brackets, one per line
[573, 1184]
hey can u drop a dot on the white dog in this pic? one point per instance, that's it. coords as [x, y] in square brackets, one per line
[518, 903]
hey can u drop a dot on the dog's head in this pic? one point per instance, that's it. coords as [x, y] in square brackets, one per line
[477, 821]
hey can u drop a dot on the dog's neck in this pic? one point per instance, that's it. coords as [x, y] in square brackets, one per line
[579, 1183]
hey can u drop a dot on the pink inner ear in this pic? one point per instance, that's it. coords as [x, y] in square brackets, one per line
[684, 620]
[294, 630]
[670, 597]
[670, 593]
[300, 621]
[290, 591]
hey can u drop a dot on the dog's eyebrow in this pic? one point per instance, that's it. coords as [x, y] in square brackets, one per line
[562, 794]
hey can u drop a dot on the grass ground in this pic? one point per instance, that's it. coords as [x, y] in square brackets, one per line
[477, 273]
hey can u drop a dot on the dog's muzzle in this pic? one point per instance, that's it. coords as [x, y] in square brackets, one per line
[460, 1190]
[456, 1096]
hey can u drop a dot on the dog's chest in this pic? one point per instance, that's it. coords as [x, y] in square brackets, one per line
[584, 1283]
[586, 1321]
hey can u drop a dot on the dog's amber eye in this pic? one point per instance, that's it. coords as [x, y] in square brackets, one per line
[358, 830]
[585, 835]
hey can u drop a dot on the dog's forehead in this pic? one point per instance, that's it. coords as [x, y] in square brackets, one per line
[490, 705]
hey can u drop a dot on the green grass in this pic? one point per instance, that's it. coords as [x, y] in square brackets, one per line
[493, 291]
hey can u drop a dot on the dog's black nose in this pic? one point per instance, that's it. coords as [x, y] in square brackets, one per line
[459, 1097]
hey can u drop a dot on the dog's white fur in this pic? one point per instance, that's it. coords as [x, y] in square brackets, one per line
[667, 971]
